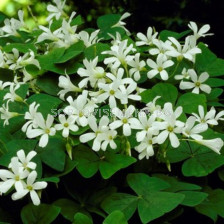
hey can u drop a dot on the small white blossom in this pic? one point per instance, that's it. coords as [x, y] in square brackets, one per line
[56, 11]
[197, 82]
[159, 67]
[189, 130]
[187, 51]
[66, 125]
[44, 129]
[67, 86]
[3, 85]
[125, 120]
[137, 67]
[208, 118]
[121, 23]
[184, 75]
[14, 178]
[145, 148]
[202, 32]
[91, 73]
[81, 108]
[119, 54]
[98, 133]
[6, 114]
[146, 40]
[170, 126]
[89, 39]
[214, 144]
[161, 48]
[109, 137]
[30, 187]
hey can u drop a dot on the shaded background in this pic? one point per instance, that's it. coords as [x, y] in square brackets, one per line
[162, 14]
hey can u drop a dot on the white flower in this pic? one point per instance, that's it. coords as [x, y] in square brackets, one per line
[12, 96]
[119, 54]
[187, 51]
[56, 11]
[208, 118]
[66, 125]
[189, 130]
[197, 82]
[109, 137]
[111, 92]
[13, 25]
[44, 129]
[146, 125]
[121, 23]
[219, 116]
[170, 125]
[54, 36]
[25, 161]
[202, 32]
[30, 187]
[67, 85]
[6, 114]
[3, 85]
[81, 108]
[184, 75]
[146, 40]
[161, 47]
[159, 67]
[116, 40]
[14, 178]
[152, 107]
[214, 144]
[145, 148]
[31, 117]
[98, 133]
[93, 73]
[137, 67]
[126, 120]
[89, 39]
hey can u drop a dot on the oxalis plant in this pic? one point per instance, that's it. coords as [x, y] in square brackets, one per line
[143, 110]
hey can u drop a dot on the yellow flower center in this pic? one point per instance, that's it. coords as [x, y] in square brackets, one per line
[125, 121]
[197, 84]
[150, 142]
[47, 131]
[160, 69]
[17, 178]
[170, 129]
[112, 92]
[29, 187]
[81, 114]
[66, 125]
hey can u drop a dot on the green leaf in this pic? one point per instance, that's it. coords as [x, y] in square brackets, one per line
[107, 21]
[53, 154]
[48, 104]
[215, 82]
[6, 75]
[125, 203]
[73, 51]
[176, 185]
[202, 161]
[216, 68]
[48, 84]
[115, 217]
[167, 33]
[95, 51]
[80, 218]
[213, 205]
[77, 21]
[68, 208]
[193, 198]
[43, 213]
[108, 163]
[167, 92]
[190, 102]
[152, 202]
[21, 47]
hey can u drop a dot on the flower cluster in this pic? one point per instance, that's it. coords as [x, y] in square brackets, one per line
[114, 81]
[21, 175]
